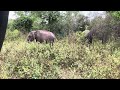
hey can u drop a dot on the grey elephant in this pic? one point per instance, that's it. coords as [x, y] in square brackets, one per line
[41, 36]
[99, 35]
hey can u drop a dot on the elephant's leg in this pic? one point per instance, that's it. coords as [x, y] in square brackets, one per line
[90, 40]
[46, 41]
[39, 40]
[104, 39]
[51, 43]
[36, 40]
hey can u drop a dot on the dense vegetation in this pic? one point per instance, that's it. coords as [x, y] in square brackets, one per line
[70, 57]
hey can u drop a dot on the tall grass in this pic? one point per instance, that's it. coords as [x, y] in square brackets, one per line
[67, 59]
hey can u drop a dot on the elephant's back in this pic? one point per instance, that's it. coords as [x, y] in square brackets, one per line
[47, 33]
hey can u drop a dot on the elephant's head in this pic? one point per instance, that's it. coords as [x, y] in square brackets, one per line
[31, 36]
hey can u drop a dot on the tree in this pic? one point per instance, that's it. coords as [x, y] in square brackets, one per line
[58, 22]
[47, 19]
[115, 14]
[82, 22]
[24, 24]
[115, 22]
[22, 13]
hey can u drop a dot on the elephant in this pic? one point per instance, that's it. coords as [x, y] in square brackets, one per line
[41, 36]
[3, 26]
[99, 35]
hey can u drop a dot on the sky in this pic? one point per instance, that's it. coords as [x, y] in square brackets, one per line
[11, 15]
[90, 14]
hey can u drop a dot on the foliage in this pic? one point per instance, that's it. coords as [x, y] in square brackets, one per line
[115, 14]
[64, 60]
[115, 21]
[10, 23]
[59, 22]
[82, 22]
[12, 35]
[107, 27]
[46, 20]
[96, 21]
[70, 57]
[24, 24]
[22, 13]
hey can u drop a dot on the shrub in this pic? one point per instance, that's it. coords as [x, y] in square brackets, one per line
[24, 24]
[64, 60]
[12, 35]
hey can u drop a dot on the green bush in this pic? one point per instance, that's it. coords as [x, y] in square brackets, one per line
[12, 35]
[64, 60]
[24, 24]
